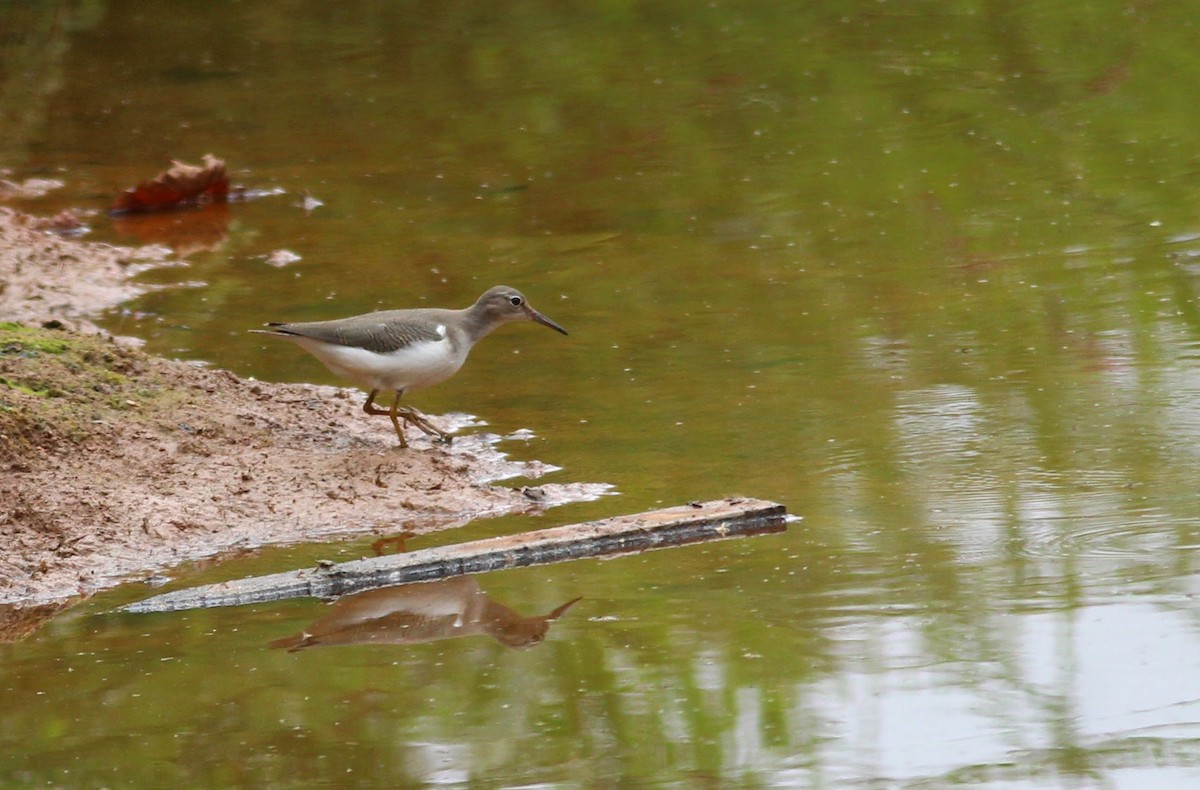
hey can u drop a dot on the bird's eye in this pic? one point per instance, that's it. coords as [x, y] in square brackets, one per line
[515, 301]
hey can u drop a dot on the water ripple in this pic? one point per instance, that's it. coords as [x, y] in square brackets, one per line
[1135, 537]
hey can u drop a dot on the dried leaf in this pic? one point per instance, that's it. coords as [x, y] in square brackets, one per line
[179, 186]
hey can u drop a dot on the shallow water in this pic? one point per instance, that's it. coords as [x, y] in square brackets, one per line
[926, 275]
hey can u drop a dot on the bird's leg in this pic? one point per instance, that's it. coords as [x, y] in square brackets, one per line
[393, 413]
[418, 419]
[370, 408]
[409, 415]
[396, 541]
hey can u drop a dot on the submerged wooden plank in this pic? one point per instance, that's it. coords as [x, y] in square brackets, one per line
[674, 526]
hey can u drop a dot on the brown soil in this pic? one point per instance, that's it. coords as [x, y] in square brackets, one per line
[115, 464]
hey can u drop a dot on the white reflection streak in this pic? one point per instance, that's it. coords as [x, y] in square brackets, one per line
[950, 462]
[1092, 680]
[747, 747]
[894, 716]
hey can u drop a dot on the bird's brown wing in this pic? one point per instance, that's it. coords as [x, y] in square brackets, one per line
[378, 332]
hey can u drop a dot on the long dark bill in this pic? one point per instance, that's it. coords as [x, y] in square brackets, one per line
[544, 321]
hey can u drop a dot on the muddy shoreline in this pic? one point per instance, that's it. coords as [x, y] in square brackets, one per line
[115, 464]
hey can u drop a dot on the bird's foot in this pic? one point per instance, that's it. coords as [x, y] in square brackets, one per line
[413, 416]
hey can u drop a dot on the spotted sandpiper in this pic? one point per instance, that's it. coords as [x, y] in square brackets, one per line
[402, 350]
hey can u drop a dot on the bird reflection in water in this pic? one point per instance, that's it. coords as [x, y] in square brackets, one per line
[421, 612]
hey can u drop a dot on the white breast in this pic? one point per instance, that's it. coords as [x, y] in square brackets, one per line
[419, 365]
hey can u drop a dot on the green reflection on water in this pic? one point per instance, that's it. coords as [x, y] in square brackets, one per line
[925, 274]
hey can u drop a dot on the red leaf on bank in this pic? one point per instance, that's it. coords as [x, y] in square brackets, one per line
[179, 186]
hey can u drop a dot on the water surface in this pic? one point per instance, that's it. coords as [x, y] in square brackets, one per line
[925, 273]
